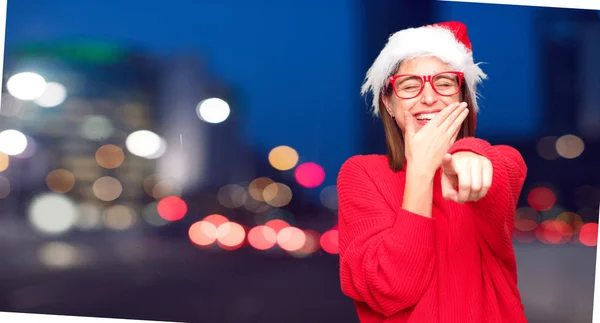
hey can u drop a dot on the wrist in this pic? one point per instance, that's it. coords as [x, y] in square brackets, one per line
[420, 175]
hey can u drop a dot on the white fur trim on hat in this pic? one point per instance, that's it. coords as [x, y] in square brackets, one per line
[409, 43]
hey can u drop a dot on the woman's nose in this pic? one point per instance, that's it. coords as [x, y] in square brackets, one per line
[429, 96]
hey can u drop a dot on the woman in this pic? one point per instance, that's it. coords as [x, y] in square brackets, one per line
[425, 232]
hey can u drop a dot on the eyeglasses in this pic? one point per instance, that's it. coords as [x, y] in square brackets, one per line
[408, 86]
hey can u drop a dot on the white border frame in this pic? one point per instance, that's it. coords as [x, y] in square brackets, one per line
[9, 317]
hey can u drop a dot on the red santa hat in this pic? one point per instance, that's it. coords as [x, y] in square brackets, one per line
[447, 41]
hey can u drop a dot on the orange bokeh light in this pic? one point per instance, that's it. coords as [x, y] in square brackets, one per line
[230, 235]
[311, 245]
[203, 233]
[554, 232]
[291, 239]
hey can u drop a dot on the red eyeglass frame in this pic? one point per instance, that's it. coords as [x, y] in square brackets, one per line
[427, 78]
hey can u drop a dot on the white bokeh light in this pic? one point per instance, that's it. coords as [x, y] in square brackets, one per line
[213, 110]
[145, 143]
[52, 213]
[26, 86]
[96, 127]
[54, 95]
[12, 142]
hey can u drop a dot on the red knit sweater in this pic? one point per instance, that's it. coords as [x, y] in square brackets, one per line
[457, 267]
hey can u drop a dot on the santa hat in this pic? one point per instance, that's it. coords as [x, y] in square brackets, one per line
[447, 41]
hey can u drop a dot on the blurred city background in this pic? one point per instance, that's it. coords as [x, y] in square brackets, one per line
[177, 161]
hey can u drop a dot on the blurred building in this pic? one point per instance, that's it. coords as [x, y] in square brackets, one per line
[78, 131]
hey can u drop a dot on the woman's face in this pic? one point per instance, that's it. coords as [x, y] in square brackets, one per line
[428, 102]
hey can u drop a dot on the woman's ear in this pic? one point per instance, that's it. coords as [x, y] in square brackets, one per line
[388, 104]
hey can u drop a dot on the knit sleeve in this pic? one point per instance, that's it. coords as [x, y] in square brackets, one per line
[386, 255]
[495, 212]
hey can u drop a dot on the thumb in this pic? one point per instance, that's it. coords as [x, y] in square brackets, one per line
[448, 165]
[409, 123]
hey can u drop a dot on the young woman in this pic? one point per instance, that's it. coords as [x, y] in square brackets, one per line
[426, 231]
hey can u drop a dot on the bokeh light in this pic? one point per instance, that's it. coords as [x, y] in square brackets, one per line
[58, 255]
[541, 198]
[96, 128]
[329, 242]
[588, 234]
[277, 225]
[145, 144]
[291, 238]
[158, 186]
[554, 232]
[329, 197]
[12, 142]
[119, 217]
[107, 188]
[262, 237]
[216, 219]
[213, 110]
[164, 188]
[4, 162]
[30, 149]
[283, 158]
[569, 146]
[172, 208]
[52, 213]
[257, 186]
[53, 95]
[26, 86]
[151, 216]
[309, 175]
[110, 156]
[232, 196]
[526, 219]
[230, 235]
[311, 245]
[60, 181]
[572, 219]
[277, 194]
[203, 233]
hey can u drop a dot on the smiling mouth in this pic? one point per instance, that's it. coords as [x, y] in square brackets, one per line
[425, 116]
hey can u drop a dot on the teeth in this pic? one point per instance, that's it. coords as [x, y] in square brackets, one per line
[425, 116]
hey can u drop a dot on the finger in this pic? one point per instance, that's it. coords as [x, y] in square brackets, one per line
[456, 125]
[455, 130]
[448, 192]
[448, 165]
[409, 123]
[476, 179]
[446, 125]
[464, 183]
[486, 179]
[445, 113]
